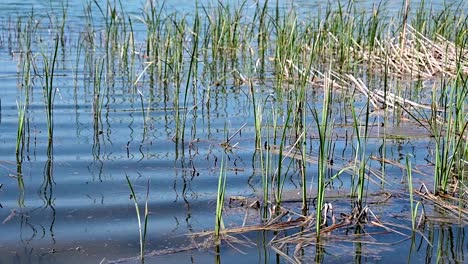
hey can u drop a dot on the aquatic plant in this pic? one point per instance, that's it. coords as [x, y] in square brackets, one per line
[19, 150]
[20, 131]
[142, 224]
[279, 177]
[278, 54]
[324, 130]
[48, 89]
[221, 191]
[449, 132]
[191, 72]
[414, 206]
[26, 62]
[360, 157]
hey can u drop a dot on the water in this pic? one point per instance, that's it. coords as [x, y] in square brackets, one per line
[69, 201]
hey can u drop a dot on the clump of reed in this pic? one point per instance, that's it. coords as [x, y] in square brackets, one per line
[352, 42]
[324, 127]
[310, 61]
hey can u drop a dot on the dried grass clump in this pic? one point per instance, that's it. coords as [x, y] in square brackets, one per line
[416, 55]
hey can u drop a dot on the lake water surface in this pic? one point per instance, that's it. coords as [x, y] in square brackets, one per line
[67, 200]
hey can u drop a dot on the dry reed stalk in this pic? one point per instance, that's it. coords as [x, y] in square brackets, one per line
[446, 203]
[319, 78]
[305, 238]
[396, 164]
[346, 166]
[414, 54]
[277, 226]
[381, 99]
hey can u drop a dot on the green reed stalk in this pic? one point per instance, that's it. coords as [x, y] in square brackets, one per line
[152, 20]
[219, 224]
[62, 26]
[414, 206]
[257, 117]
[421, 18]
[142, 226]
[265, 158]
[323, 133]
[302, 142]
[192, 66]
[404, 23]
[265, 151]
[410, 187]
[461, 82]
[129, 48]
[279, 178]
[27, 61]
[437, 133]
[361, 151]
[19, 151]
[20, 131]
[299, 108]
[286, 47]
[449, 136]
[48, 90]
[374, 28]
[262, 37]
[176, 62]
[98, 97]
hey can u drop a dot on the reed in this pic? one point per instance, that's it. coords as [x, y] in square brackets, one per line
[323, 128]
[360, 157]
[26, 65]
[48, 89]
[152, 20]
[98, 101]
[413, 205]
[50, 61]
[221, 191]
[174, 71]
[261, 14]
[406, 8]
[20, 130]
[449, 131]
[280, 175]
[192, 69]
[19, 151]
[287, 43]
[185, 55]
[142, 223]
[264, 151]
[410, 187]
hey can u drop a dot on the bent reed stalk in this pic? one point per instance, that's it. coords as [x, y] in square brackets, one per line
[142, 224]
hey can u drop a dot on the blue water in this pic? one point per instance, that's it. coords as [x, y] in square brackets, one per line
[73, 203]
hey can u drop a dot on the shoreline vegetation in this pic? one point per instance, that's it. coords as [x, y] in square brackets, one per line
[344, 72]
